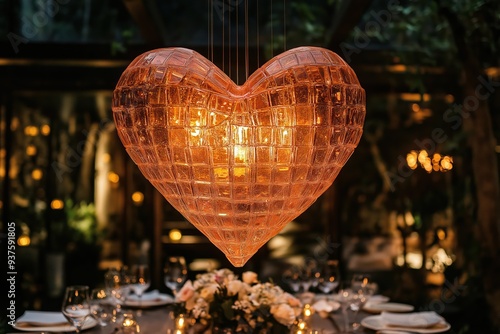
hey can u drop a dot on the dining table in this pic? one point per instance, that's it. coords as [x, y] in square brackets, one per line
[161, 320]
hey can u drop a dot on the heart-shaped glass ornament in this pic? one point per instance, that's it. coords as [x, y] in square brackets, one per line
[239, 162]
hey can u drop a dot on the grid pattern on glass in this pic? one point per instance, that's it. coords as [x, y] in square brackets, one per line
[239, 162]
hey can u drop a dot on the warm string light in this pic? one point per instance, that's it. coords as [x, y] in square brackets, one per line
[436, 163]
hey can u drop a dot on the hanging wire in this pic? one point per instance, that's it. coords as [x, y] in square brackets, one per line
[223, 29]
[212, 31]
[284, 25]
[229, 44]
[258, 37]
[246, 41]
[272, 32]
[237, 45]
[208, 27]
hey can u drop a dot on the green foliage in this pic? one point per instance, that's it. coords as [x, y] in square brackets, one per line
[221, 308]
[82, 222]
[298, 23]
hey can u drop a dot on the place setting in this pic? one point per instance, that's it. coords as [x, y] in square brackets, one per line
[75, 315]
[414, 322]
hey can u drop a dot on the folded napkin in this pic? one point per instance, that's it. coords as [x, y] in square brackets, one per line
[307, 297]
[323, 307]
[152, 295]
[41, 318]
[411, 320]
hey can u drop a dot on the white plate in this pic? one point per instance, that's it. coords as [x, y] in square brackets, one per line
[387, 307]
[159, 300]
[327, 306]
[89, 323]
[378, 299]
[376, 323]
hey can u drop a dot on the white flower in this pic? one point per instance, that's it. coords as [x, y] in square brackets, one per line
[289, 299]
[249, 277]
[209, 291]
[200, 309]
[283, 313]
[247, 296]
[234, 287]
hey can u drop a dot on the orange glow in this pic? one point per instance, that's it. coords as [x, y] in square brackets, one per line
[113, 177]
[37, 174]
[438, 163]
[31, 150]
[56, 204]
[14, 124]
[441, 234]
[175, 234]
[31, 131]
[411, 159]
[239, 162]
[415, 97]
[45, 130]
[23, 240]
[138, 197]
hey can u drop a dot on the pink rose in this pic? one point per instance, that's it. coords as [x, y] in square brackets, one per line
[186, 292]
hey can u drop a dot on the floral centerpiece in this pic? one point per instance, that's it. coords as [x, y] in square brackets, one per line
[218, 301]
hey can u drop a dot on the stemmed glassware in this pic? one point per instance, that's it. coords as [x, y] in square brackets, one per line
[362, 282]
[117, 284]
[329, 276]
[140, 281]
[175, 273]
[101, 307]
[345, 297]
[76, 305]
[292, 278]
[365, 288]
[309, 276]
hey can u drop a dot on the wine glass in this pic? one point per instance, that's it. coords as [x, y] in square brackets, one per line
[365, 288]
[292, 277]
[76, 305]
[361, 281]
[175, 273]
[364, 285]
[139, 281]
[308, 276]
[329, 277]
[101, 306]
[117, 286]
[345, 297]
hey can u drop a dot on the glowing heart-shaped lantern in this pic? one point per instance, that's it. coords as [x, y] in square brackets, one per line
[239, 162]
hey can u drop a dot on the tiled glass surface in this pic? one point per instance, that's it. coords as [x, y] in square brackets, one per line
[239, 162]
